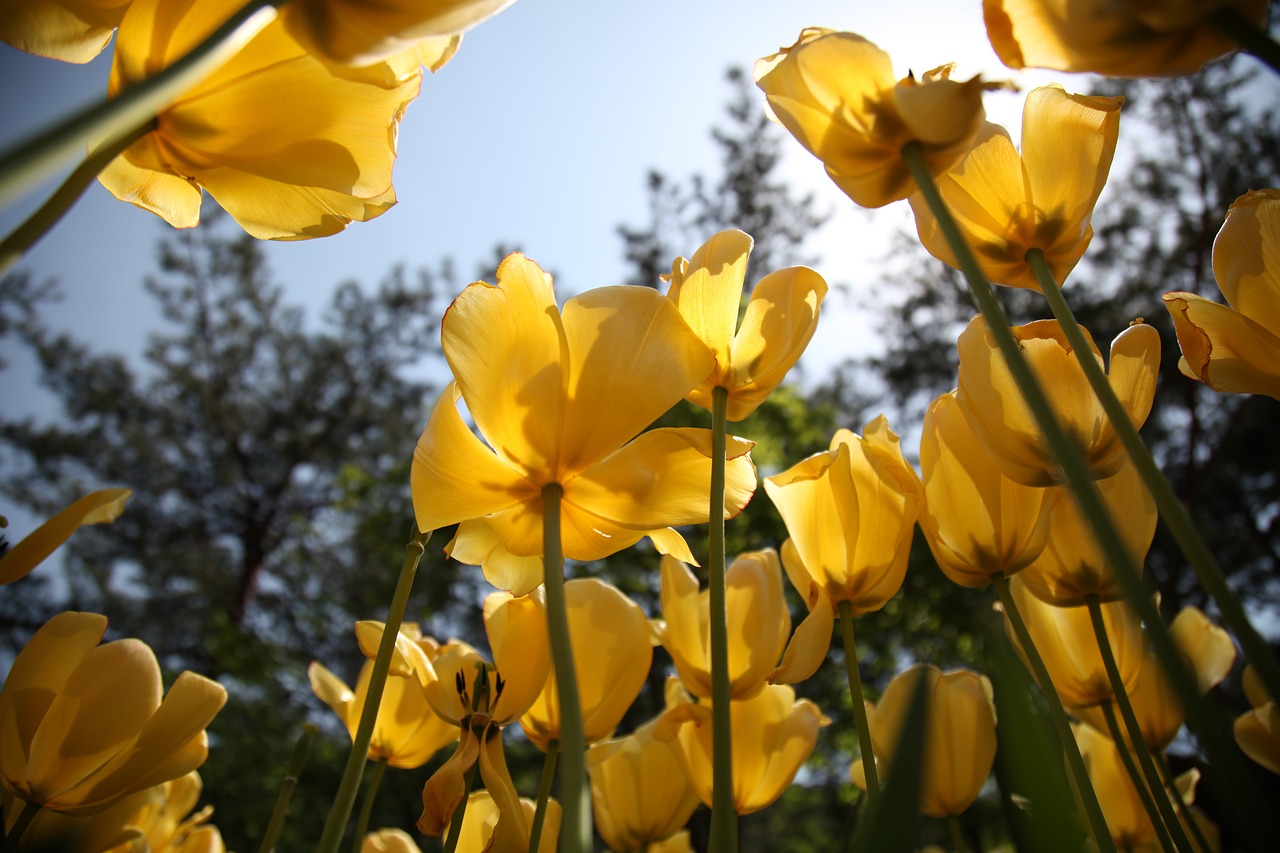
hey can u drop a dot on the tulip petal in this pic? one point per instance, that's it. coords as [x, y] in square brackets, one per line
[708, 291]
[670, 543]
[333, 692]
[1135, 364]
[275, 210]
[511, 832]
[1206, 646]
[809, 645]
[97, 508]
[174, 199]
[69, 30]
[1246, 257]
[477, 543]
[446, 787]
[1223, 348]
[685, 636]
[517, 631]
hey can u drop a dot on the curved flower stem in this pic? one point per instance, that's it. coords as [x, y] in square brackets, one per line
[723, 825]
[1252, 39]
[957, 836]
[869, 770]
[359, 755]
[1172, 512]
[26, 235]
[1075, 761]
[297, 760]
[1202, 843]
[455, 822]
[1135, 775]
[576, 835]
[1136, 739]
[544, 794]
[102, 124]
[28, 814]
[366, 804]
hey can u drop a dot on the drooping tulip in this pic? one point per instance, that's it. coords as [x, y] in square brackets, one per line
[780, 319]
[70, 30]
[837, 94]
[758, 623]
[562, 397]
[99, 507]
[1004, 424]
[83, 725]
[1235, 348]
[1007, 203]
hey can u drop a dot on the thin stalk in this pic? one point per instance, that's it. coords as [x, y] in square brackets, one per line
[28, 814]
[869, 770]
[576, 832]
[1202, 843]
[39, 156]
[1252, 39]
[1075, 761]
[26, 235]
[366, 804]
[1136, 739]
[722, 811]
[297, 760]
[359, 755]
[1135, 775]
[1172, 512]
[455, 822]
[544, 794]
[958, 843]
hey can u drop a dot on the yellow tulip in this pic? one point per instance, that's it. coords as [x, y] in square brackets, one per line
[106, 830]
[758, 623]
[681, 842]
[479, 832]
[1237, 349]
[837, 94]
[83, 725]
[959, 735]
[1073, 566]
[1120, 38]
[99, 507]
[390, 841]
[780, 319]
[70, 30]
[978, 522]
[638, 790]
[1258, 730]
[1002, 421]
[1007, 204]
[406, 732]
[851, 512]
[1066, 641]
[609, 635]
[288, 146]
[773, 736]
[560, 398]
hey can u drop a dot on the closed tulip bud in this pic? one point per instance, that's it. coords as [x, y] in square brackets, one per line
[609, 635]
[1003, 422]
[758, 623]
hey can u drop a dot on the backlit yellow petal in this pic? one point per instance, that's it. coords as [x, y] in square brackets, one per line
[517, 631]
[70, 30]
[1246, 257]
[1224, 348]
[332, 691]
[708, 291]
[99, 507]
[478, 543]
[808, 647]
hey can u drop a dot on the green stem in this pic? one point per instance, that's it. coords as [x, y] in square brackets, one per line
[576, 831]
[722, 810]
[1135, 775]
[544, 794]
[297, 760]
[26, 235]
[455, 821]
[1252, 39]
[1136, 738]
[104, 123]
[366, 804]
[957, 836]
[1202, 843]
[28, 814]
[1172, 512]
[359, 755]
[1075, 761]
[869, 770]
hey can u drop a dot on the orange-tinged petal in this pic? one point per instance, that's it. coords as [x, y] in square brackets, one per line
[99, 507]
[1223, 348]
[446, 788]
[809, 645]
[708, 291]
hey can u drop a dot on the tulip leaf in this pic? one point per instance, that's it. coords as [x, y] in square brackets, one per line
[893, 825]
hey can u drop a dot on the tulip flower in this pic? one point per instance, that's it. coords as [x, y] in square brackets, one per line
[609, 635]
[780, 319]
[1004, 424]
[837, 94]
[1007, 204]
[1072, 565]
[1065, 638]
[773, 736]
[1119, 38]
[639, 791]
[758, 623]
[286, 144]
[83, 725]
[960, 735]
[479, 833]
[1236, 349]
[99, 507]
[977, 521]
[559, 400]
[70, 30]
[851, 512]
[1258, 731]
[479, 699]
[390, 841]
[406, 733]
